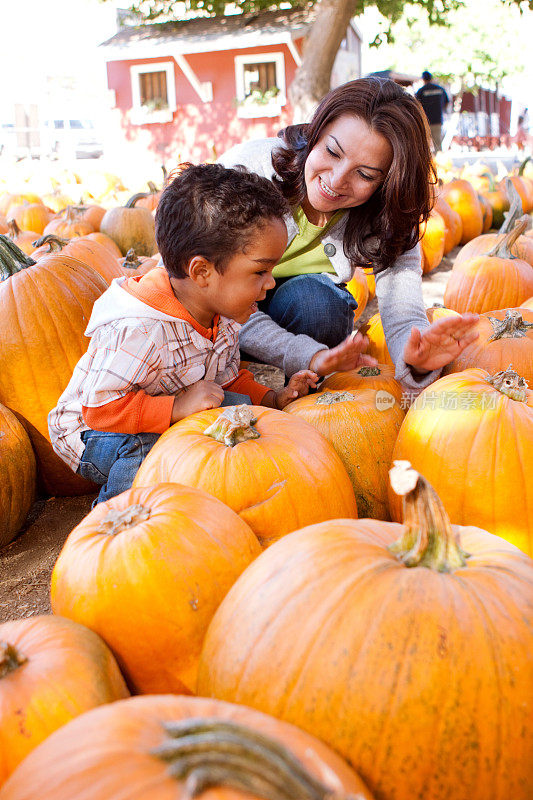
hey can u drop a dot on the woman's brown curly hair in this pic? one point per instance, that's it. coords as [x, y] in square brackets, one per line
[388, 224]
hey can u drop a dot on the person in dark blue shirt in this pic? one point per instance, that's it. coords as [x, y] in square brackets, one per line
[434, 100]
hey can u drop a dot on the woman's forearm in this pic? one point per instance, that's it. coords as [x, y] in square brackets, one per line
[265, 340]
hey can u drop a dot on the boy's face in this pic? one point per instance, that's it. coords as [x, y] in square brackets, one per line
[248, 275]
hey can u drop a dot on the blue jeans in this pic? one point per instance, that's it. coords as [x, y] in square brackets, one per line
[314, 305]
[112, 459]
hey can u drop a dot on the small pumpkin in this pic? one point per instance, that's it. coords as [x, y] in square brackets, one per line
[132, 264]
[129, 227]
[453, 223]
[405, 647]
[23, 239]
[433, 236]
[68, 225]
[498, 199]
[358, 288]
[32, 217]
[17, 475]
[8, 200]
[492, 281]
[505, 337]
[51, 670]
[162, 747]
[274, 470]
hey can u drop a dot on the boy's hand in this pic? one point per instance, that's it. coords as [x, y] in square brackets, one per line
[439, 344]
[198, 397]
[347, 355]
[298, 386]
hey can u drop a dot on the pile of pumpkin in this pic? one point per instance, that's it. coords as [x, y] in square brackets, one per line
[345, 638]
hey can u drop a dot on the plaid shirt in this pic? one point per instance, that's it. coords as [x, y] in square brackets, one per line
[159, 356]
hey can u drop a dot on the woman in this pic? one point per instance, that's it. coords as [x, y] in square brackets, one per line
[359, 179]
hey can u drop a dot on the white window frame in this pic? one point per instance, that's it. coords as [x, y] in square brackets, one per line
[141, 115]
[251, 110]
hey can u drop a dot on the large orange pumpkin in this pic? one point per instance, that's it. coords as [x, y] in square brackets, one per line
[360, 414]
[17, 475]
[165, 747]
[460, 195]
[44, 311]
[473, 439]
[129, 226]
[51, 670]
[277, 472]
[492, 281]
[147, 570]
[408, 657]
[101, 238]
[505, 337]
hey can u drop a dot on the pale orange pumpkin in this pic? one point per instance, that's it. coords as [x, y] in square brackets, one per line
[17, 475]
[359, 413]
[22, 239]
[453, 223]
[406, 654]
[492, 281]
[278, 473]
[130, 227]
[101, 238]
[31, 216]
[373, 329]
[505, 337]
[44, 310]
[155, 748]
[51, 670]
[474, 442]
[528, 304]
[460, 195]
[132, 264]
[165, 556]
[7, 200]
[433, 236]
[68, 224]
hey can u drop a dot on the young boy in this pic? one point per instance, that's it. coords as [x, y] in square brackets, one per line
[165, 345]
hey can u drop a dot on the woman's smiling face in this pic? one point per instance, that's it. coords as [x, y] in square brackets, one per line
[345, 167]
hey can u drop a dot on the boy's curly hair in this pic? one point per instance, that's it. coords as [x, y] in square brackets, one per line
[214, 212]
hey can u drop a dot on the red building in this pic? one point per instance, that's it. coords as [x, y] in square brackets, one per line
[190, 90]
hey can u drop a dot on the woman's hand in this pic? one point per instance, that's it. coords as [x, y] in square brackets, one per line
[439, 344]
[347, 355]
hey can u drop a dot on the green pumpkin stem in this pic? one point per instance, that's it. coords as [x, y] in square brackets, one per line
[502, 249]
[210, 752]
[428, 539]
[523, 166]
[12, 259]
[515, 207]
[134, 198]
[54, 243]
[234, 426]
[10, 659]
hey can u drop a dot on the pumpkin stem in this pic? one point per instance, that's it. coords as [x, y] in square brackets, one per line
[512, 327]
[153, 188]
[13, 228]
[515, 207]
[523, 166]
[117, 521]
[10, 659]
[131, 260]
[134, 198]
[510, 383]
[502, 249]
[235, 425]
[54, 243]
[210, 752]
[12, 259]
[428, 539]
[328, 398]
[369, 372]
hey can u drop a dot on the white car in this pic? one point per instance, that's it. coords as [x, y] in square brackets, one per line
[75, 138]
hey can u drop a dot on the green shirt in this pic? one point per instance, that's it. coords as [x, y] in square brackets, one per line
[305, 254]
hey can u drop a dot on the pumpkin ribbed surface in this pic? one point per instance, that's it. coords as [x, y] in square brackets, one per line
[51, 670]
[44, 311]
[287, 477]
[17, 475]
[422, 680]
[111, 753]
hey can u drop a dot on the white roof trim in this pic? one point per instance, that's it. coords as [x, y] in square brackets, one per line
[163, 49]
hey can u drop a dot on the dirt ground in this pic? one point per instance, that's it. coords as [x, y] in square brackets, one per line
[27, 562]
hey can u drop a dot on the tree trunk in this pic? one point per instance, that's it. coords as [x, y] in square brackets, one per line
[312, 79]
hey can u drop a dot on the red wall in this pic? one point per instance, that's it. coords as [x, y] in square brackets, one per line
[198, 127]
